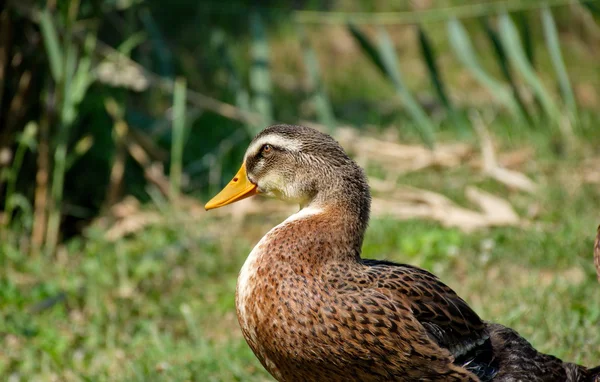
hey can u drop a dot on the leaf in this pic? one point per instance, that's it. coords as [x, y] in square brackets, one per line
[526, 35]
[511, 42]
[83, 77]
[81, 148]
[434, 74]
[53, 49]
[409, 203]
[28, 136]
[132, 42]
[68, 112]
[498, 211]
[319, 94]
[20, 201]
[385, 59]
[390, 62]
[368, 47]
[551, 36]
[505, 65]
[461, 43]
[591, 6]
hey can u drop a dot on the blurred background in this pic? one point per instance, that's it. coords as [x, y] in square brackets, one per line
[477, 122]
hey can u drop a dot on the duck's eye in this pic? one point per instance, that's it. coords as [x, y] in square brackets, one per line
[266, 149]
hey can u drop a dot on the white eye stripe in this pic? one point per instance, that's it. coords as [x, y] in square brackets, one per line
[275, 141]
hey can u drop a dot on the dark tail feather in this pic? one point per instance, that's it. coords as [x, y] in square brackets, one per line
[518, 360]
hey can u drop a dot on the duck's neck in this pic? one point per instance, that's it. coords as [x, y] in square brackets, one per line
[339, 216]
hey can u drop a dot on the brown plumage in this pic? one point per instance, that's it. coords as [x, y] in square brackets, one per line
[312, 309]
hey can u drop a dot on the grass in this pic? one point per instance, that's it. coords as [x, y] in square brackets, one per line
[159, 305]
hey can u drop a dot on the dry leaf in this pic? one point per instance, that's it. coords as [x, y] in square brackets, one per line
[512, 179]
[497, 210]
[409, 203]
[490, 166]
[400, 158]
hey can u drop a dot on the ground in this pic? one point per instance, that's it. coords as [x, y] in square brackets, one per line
[159, 304]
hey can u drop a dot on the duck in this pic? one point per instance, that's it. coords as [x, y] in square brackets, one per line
[312, 309]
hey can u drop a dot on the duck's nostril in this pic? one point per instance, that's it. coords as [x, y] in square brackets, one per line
[235, 179]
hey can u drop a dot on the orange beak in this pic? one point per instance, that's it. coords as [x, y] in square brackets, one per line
[238, 188]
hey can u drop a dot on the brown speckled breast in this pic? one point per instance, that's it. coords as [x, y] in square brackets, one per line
[312, 310]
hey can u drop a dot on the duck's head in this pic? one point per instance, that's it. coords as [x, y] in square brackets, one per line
[300, 165]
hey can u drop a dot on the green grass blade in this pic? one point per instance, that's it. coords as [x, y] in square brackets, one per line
[551, 36]
[504, 65]
[132, 42]
[26, 141]
[385, 59]
[387, 52]
[434, 74]
[260, 76]
[67, 116]
[592, 6]
[425, 126]
[429, 56]
[179, 103]
[51, 42]
[68, 112]
[83, 77]
[526, 38]
[81, 148]
[320, 98]
[23, 204]
[368, 47]
[461, 44]
[511, 42]
[526, 35]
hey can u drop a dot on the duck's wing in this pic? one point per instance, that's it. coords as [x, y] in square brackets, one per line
[399, 322]
[446, 317]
